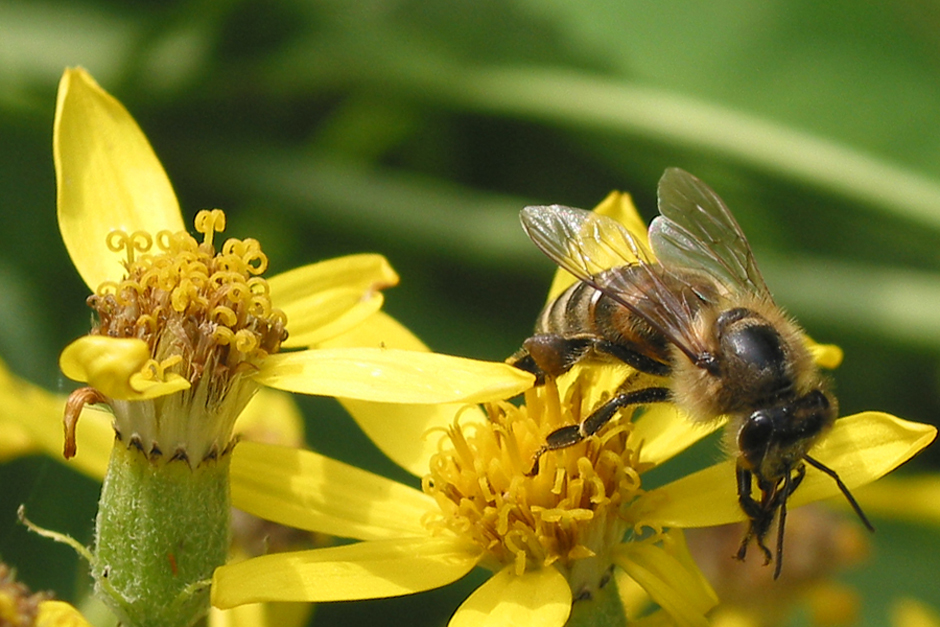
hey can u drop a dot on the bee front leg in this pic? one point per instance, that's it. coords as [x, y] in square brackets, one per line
[759, 516]
[572, 434]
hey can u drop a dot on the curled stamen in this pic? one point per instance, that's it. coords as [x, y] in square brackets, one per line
[155, 370]
[209, 223]
[223, 335]
[246, 341]
[223, 315]
[138, 241]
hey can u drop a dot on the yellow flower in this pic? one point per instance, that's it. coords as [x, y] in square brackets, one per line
[187, 331]
[21, 608]
[550, 539]
[183, 327]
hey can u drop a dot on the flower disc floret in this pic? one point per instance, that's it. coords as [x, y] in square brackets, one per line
[568, 516]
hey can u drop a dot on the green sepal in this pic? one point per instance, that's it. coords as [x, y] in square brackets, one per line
[162, 529]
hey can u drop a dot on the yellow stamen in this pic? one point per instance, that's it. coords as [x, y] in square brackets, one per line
[572, 511]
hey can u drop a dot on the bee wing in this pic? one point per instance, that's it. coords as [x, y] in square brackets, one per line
[587, 245]
[696, 231]
[583, 243]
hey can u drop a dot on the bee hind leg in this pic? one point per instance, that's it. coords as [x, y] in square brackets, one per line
[572, 434]
[549, 354]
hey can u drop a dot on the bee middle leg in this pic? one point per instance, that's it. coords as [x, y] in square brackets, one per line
[572, 434]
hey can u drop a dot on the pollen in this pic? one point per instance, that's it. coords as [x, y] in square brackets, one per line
[207, 318]
[568, 516]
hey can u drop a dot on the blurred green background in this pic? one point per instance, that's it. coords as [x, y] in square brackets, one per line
[418, 129]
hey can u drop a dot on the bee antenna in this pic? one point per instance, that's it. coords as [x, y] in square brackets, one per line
[845, 490]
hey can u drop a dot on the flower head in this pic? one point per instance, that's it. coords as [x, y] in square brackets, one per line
[550, 539]
[584, 520]
[191, 326]
[187, 332]
[187, 329]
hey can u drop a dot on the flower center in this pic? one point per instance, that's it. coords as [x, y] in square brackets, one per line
[570, 515]
[206, 316]
[193, 306]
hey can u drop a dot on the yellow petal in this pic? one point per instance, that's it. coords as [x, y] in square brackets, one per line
[827, 356]
[59, 614]
[916, 499]
[367, 570]
[325, 299]
[262, 615]
[860, 448]
[272, 417]
[394, 376]
[114, 367]
[15, 441]
[662, 432]
[683, 594]
[540, 597]
[362, 273]
[380, 330]
[401, 431]
[107, 177]
[36, 414]
[910, 612]
[407, 434]
[328, 313]
[302, 489]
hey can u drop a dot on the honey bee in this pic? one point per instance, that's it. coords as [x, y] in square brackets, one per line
[691, 313]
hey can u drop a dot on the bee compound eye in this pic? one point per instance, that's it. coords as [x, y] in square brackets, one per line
[756, 434]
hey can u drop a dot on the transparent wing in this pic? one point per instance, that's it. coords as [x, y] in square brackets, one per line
[696, 231]
[583, 243]
[589, 245]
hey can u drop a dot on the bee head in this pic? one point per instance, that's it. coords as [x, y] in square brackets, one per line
[773, 440]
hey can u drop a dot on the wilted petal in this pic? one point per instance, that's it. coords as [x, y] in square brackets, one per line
[540, 597]
[391, 375]
[309, 491]
[107, 177]
[367, 570]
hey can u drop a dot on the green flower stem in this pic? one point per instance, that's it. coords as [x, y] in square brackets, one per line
[162, 529]
[604, 610]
